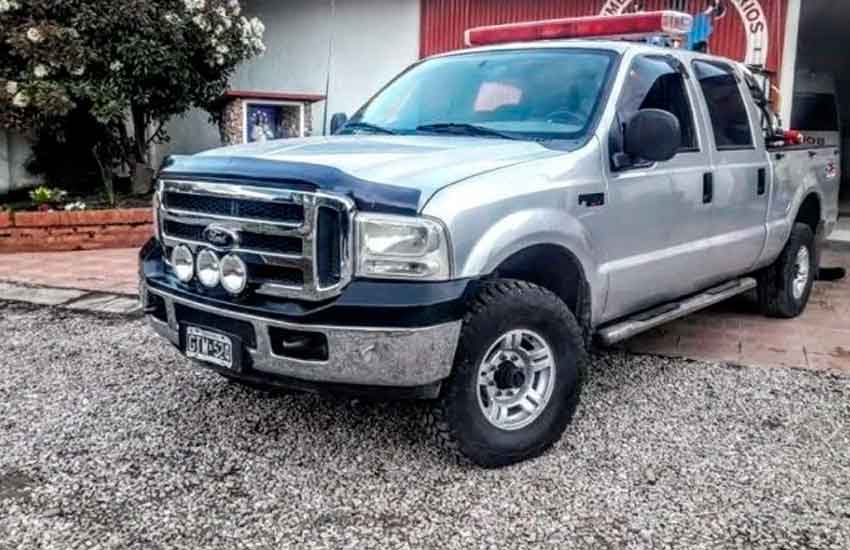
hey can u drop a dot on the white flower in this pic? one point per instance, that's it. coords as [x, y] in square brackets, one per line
[194, 5]
[11, 87]
[4, 6]
[223, 49]
[34, 35]
[21, 100]
[202, 23]
[219, 59]
[219, 29]
[226, 22]
[73, 33]
[221, 11]
[116, 66]
[78, 71]
[40, 71]
[257, 27]
[172, 18]
[76, 205]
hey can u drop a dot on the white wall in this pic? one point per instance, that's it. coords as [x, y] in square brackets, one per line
[367, 42]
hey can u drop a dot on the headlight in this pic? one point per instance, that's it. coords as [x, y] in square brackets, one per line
[399, 247]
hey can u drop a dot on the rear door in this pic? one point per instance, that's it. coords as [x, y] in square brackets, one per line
[740, 170]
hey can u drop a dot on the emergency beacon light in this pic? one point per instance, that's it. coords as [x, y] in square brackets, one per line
[631, 26]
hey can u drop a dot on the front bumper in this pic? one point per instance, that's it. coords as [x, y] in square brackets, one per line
[369, 356]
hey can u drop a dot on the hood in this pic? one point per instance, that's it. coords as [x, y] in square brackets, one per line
[404, 170]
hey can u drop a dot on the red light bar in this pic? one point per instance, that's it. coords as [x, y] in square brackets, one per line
[608, 26]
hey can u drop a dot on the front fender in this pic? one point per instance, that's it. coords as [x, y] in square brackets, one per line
[524, 229]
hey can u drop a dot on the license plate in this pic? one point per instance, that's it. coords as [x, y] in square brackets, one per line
[209, 346]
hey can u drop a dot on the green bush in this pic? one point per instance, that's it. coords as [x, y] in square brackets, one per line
[100, 63]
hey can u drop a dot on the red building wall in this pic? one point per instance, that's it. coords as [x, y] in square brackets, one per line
[444, 21]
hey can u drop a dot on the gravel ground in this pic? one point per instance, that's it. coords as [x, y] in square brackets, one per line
[108, 439]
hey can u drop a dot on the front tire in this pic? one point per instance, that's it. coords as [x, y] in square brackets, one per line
[785, 286]
[517, 376]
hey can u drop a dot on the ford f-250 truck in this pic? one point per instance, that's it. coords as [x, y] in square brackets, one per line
[470, 230]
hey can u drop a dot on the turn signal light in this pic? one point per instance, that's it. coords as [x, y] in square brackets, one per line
[607, 26]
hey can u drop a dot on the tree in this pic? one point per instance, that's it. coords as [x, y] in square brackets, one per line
[148, 60]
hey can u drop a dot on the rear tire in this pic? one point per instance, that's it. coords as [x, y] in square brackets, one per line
[516, 379]
[785, 286]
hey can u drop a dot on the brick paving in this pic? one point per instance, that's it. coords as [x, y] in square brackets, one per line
[735, 332]
[111, 270]
[730, 332]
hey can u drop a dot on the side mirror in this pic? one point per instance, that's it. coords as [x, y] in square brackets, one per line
[653, 135]
[338, 121]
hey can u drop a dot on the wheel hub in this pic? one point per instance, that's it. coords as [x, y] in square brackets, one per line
[509, 376]
[515, 379]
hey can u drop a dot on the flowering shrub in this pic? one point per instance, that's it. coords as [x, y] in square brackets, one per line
[150, 59]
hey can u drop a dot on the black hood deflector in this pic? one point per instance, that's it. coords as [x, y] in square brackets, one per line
[368, 196]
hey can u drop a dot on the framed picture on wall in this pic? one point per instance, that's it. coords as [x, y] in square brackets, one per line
[267, 120]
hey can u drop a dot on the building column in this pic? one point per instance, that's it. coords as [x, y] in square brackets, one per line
[789, 61]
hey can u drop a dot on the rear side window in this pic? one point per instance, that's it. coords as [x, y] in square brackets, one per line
[815, 113]
[653, 82]
[726, 107]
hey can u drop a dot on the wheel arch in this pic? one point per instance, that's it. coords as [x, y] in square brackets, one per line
[557, 269]
[810, 212]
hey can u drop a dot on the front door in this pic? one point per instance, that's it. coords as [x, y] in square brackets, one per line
[657, 212]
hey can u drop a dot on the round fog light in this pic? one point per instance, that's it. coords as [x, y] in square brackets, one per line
[207, 267]
[183, 263]
[234, 274]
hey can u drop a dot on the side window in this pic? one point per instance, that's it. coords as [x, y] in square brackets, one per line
[726, 106]
[654, 82]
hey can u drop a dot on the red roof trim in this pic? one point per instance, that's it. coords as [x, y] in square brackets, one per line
[274, 96]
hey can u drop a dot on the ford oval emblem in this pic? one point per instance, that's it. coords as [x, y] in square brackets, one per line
[220, 236]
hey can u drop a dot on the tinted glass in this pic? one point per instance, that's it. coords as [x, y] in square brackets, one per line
[726, 106]
[654, 83]
[815, 113]
[529, 94]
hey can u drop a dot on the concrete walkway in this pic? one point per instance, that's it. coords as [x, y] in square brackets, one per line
[106, 280]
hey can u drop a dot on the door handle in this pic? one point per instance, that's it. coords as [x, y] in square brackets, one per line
[762, 185]
[707, 187]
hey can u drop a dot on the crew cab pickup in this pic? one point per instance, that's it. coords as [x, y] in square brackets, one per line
[479, 222]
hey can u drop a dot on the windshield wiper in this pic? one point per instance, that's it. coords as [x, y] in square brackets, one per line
[367, 126]
[461, 128]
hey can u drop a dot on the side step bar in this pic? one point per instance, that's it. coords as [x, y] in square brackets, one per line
[652, 318]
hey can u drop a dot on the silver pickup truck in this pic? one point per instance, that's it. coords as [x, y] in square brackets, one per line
[478, 223]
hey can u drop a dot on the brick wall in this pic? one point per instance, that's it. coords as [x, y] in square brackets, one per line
[82, 230]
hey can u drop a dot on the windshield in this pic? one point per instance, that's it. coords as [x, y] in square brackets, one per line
[524, 94]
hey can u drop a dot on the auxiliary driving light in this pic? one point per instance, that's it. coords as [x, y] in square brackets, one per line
[183, 263]
[207, 268]
[234, 274]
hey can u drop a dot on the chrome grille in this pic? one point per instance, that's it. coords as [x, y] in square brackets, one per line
[296, 244]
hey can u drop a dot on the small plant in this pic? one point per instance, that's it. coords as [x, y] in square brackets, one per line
[43, 197]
